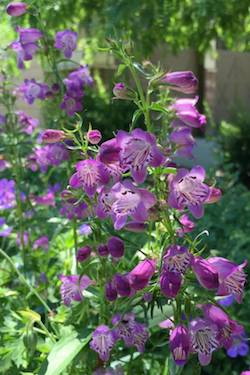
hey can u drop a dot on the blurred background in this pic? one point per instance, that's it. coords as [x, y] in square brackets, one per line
[209, 37]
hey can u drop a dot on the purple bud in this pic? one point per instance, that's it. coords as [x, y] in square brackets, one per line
[179, 344]
[16, 9]
[140, 276]
[110, 291]
[183, 81]
[66, 195]
[120, 91]
[206, 274]
[122, 285]
[170, 283]
[83, 253]
[116, 247]
[94, 136]
[103, 250]
[52, 136]
[215, 195]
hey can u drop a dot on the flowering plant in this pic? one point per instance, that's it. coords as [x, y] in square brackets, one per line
[122, 252]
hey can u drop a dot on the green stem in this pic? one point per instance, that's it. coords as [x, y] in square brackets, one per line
[74, 262]
[46, 330]
[23, 280]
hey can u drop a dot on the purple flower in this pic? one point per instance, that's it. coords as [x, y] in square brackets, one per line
[2, 119]
[15, 9]
[239, 346]
[184, 141]
[245, 373]
[25, 238]
[85, 229]
[183, 81]
[206, 274]
[28, 123]
[103, 250]
[122, 285]
[179, 344]
[31, 90]
[204, 341]
[71, 105]
[177, 259]
[27, 36]
[73, 209]
[215, 195]
[42, 242]
[231, 277]
[77, 80]
[186, 112]
[47, 199]
[140, 276]
[116, 247]
[66, 41]
[94, 136]
[52, 136]
[123, 200]
[109, 155]
[83, 253]
[187, 189]
[103, 340]
[138, 151]
[7, 194]
[187, 225]
[90, 174]
[110, 291]
[5, 231]
[170, 283]
[226, 301]
[131, 332]
[72, 287]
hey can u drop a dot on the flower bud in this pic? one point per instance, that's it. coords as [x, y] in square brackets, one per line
[206, 274]
[116, 247]
[140, 276]
[183, 81]
[103, 250]
[122, 92]
[110, 291]
[83, 253]
[94, 136]
[16, 9]
[215, 195]
[52, 136]
[66, 195]
[122, 285]
[170, 283]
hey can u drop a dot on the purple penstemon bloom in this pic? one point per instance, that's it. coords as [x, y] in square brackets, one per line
[4, 164]
[116, 247]
[66, 41]
[24, 52]
[90, 174]
[138, 151]
[47, 199]
[170, 283]
[83, 253]
[103, 340]
[124, 200]
[187, 189]
[232, 278]
[16, 9]
[177, 259]
[130, 331]
[141, 274]
[109, 155]
[110, 291]
[77, 80]
[184, 141]
[94, 136]
[53, 135]
[30, 89]
[239, 346]
[71, 105]
[226, 301]
[41, 242]
[183, 81]
[74, 209]
[185, 111]
[206, 274]
[7, 194]
[179, 344]
[72, 287]
[204, 342]
[187, 225]
[28, 123]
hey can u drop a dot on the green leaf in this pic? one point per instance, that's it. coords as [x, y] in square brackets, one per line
[62, 354]
[136, 116]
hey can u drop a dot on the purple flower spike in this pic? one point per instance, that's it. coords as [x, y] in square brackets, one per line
[90, 174]
[72, 287]
[170, 283]
[116, 247]
[177, 259]
[179, 344]
[140, 276]
[232, 278]
[83, 253]
[124, 200]
[187, 189]
[203, 339]
[66, 41]
[183, 81]
[206, 274]
[138, 151]
[103, 340]
[15, 9]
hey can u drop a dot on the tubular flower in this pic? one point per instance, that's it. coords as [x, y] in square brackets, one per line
[239, 346]
[72, 287]
[15, 9]
[7, 194]
[184, 141]
[206, 274]
[66, 41]
[187, 189]
[103, 340]
[179, 344]
[52, 136]
[183, 81]
[116, 247]
[94, 136]
[31, 90]
[203, 335]
[187, 113]
[90, 174]
[138, 151]
[170, 283]
[232, 278]
[177, 259]
[124, 200]
[140, 276]
[187, 225]
[83, 253]
[110, 291]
